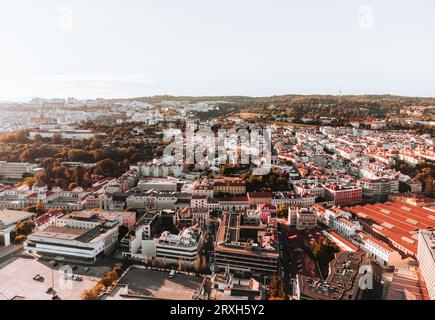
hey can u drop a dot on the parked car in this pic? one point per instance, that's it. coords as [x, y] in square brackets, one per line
[49, 290]
[77, 278]
[39, 278]
[172, 274]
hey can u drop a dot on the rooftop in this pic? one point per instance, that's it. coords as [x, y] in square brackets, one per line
[396, 221]
[140, 283]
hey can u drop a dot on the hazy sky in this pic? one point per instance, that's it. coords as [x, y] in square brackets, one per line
[128, 48]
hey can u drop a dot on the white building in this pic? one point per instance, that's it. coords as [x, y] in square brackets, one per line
[158, 184]
[83, 238]
[381, 252]
[173, 248]
[8, 222]
[426, 259]
[346, 227]
[14, 170]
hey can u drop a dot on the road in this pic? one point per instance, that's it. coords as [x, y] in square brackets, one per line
[285, 257]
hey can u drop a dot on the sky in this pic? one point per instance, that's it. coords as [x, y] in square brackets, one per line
[133, 48]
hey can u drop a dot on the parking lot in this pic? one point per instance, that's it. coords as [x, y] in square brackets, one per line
[16, 281]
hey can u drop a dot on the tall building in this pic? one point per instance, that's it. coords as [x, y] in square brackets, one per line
[244, 243]
[426, 259]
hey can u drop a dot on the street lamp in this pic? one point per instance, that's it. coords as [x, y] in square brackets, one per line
[52, 262]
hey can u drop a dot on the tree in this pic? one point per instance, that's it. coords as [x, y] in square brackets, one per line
[20, 238]
[276, 289]
[78, 155]
[89, 294]
[40, 207]
[107, 168]
[180, 265]
[197, 265]
[118, 271]
[25, 227]
[281, 210]
[204, 265]
[106, 281]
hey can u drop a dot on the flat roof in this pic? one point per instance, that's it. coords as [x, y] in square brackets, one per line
[150, 284]
[8, 217]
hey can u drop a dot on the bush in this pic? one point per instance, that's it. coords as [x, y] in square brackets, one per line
[106, 281]
[20, 238]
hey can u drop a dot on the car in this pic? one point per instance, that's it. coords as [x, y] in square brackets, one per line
[76, 277]
[74, 268]
[172, 274]
[39, 278]
[87, 269]
[49, 290]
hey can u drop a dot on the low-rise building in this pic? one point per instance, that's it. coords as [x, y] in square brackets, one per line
[8, 222]
[343, 195]
[83, 237]
[343, 282]
[302, 218]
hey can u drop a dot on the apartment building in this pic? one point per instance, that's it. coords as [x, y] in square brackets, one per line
[302, 218]
[343, 195]
[243, 243]
[174, 248]
[426, 259]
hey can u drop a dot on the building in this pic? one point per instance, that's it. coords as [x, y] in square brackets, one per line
[82, 237]
[302, 218]
[244, 243]
[293, 199]
[198, 201]
[316, 190]
[406, 284]
[168, 185]
[15, 171]
[379, 251]
[8, 222]
[236, 203]
[343, 195]
[342, 243]
[140, 283]
[200, 216]
[174, 248]
[230, 187]
[346, 227]
[65, 134]
[342, 283]
[145, 229]
[396, 223]
[378, 187]
[256, 198]
[225, 286]
[426, 259]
